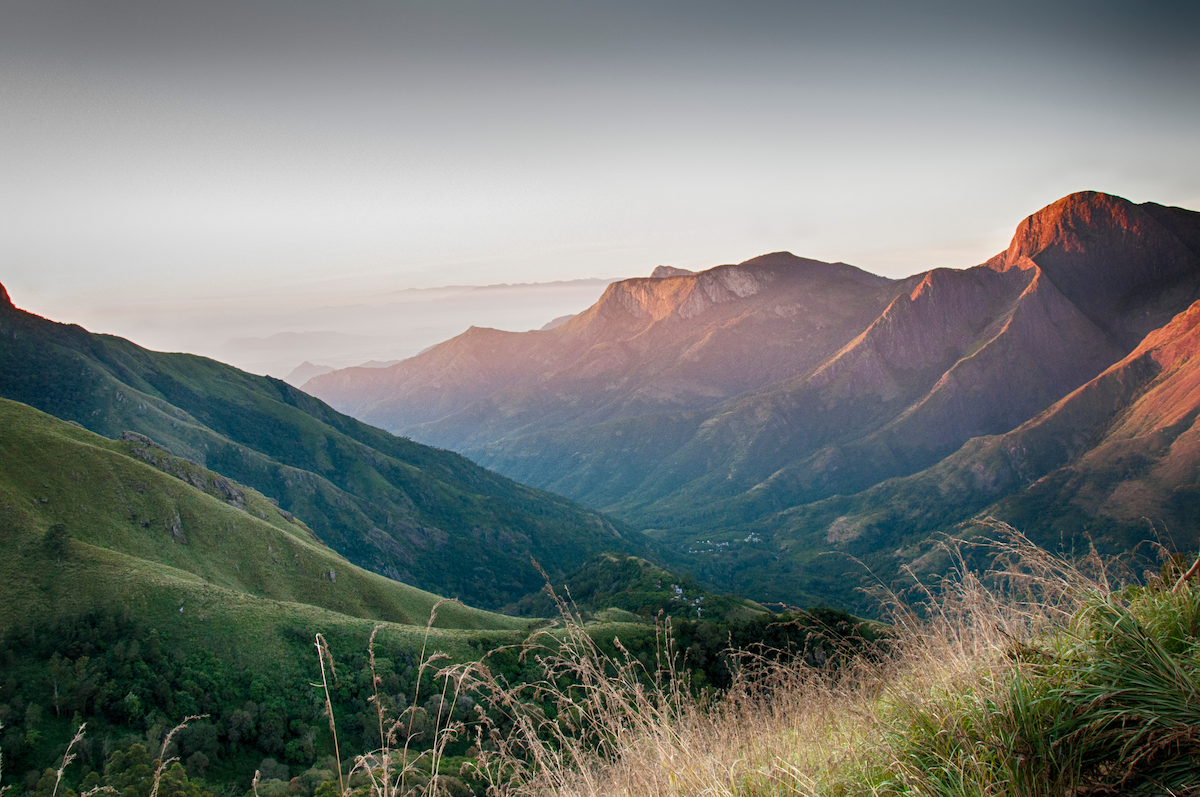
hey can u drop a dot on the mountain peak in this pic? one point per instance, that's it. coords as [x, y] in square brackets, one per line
[775, 259]
[669, 271]
[4, 300]
[1070, 224]
[1100, 250]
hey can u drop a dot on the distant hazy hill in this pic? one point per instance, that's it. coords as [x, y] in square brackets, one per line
[823, 408]
[306, 371]
[429, 518]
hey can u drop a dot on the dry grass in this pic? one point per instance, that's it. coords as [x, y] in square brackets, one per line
[971, 695]
[890, 723]
[1037, 676]
[396, 769]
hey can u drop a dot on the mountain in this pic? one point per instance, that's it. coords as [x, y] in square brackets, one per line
[669, 271]
[551, 324]
[649, 345]
[270, 354]
[1114, 464]
[825, 409]
[306, 371]
[407, 511]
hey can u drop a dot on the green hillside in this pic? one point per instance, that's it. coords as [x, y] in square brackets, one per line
[632, 585]
[140, 587]
[420, 515]
[90, 522]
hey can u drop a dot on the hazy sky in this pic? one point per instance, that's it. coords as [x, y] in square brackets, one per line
[159, 151]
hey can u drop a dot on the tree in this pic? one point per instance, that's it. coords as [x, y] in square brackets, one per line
[55, 541]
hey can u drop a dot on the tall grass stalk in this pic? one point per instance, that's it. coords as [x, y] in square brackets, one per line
[1033, 676]
[68, 757]
[379, 767]
[323, 655]
[163, 760]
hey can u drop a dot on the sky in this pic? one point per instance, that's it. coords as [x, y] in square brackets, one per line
[254, 154]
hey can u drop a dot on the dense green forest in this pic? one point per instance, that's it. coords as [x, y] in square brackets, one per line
[131, 684]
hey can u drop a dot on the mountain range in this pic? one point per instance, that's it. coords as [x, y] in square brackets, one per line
[757, 416]
[427, 517]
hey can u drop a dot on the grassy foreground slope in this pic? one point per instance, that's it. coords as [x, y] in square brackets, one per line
[1040, 680]
[411, 512]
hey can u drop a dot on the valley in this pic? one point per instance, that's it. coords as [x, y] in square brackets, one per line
[776, 434]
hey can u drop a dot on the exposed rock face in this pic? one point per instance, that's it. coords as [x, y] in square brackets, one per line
[1127, 267]
[799, 379]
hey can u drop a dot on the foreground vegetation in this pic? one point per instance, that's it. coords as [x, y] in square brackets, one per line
[1038, 677]
[141, 588]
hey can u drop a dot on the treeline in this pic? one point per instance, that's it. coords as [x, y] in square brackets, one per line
[131, 685]
[709, 653]
[618, 581]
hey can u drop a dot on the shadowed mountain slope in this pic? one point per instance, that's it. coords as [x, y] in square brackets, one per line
[1114, 463]
[427, 517]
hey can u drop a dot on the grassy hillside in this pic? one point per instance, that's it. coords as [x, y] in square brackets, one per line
[141, 528]
[413, 513]
[140, 587]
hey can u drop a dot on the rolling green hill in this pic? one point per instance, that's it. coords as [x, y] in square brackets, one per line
[427, 517]
[90, 523]
[140, 587]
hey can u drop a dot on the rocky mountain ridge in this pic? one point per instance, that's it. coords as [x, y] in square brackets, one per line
[760, 395]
